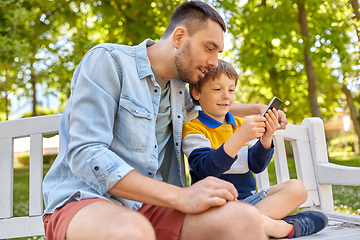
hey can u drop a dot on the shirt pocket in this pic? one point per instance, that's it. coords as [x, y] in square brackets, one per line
[133, 125]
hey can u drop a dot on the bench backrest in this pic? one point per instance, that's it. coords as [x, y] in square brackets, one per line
[35, 128]
[308, 143]
[309, 148]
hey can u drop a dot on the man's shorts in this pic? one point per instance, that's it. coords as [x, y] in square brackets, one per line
[254, 199]
[167, 222]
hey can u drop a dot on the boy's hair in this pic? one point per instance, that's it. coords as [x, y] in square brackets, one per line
[192, 15]
[222, 68]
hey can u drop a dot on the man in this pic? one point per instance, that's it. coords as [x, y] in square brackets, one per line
[121, 143]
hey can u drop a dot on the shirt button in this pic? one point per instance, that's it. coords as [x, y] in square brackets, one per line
[180, 92]
[176, 144]
[178, 116]
[96, 168]
[155, 90]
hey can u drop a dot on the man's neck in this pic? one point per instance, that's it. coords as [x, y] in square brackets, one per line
[161, 59]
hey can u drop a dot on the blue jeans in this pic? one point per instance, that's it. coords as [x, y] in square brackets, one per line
[254, 199]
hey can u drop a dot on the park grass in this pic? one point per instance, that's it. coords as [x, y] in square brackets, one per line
[346, 198]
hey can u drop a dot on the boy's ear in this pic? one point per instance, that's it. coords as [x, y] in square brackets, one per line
[179, 36]
[195, 94]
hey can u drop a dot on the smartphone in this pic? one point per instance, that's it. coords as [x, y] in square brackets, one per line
[274, 103]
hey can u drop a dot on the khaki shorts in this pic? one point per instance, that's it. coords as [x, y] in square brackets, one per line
[167, 222]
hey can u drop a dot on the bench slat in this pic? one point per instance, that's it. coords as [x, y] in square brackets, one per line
[6, 178]
[304, 166]
[21, 227]
[262, 180]
[36, 175]
[27, 126]
[280, 160]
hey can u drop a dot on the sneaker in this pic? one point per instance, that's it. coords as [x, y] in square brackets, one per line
[307, 222]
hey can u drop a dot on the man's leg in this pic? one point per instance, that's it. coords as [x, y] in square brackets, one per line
[234, 220]
[108, 221]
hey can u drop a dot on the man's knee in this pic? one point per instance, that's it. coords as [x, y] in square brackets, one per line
[105, 220]
[137, 229]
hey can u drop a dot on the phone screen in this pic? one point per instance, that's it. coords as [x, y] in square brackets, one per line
[274, 103]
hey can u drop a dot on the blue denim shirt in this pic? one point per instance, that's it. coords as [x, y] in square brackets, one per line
[108, 127]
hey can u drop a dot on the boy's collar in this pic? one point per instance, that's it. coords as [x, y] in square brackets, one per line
[212, 123]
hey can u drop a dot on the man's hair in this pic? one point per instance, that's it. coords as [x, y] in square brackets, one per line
[222, 68]
[192, 15]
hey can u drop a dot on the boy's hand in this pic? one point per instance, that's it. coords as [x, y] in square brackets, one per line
[271, 125]
[252, 128]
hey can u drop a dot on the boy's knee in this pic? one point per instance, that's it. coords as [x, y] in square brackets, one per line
[298, 189]
[240, 213]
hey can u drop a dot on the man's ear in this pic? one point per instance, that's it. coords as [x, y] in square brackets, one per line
[179, 36]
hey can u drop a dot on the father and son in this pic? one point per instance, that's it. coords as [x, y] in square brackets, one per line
[120, 171]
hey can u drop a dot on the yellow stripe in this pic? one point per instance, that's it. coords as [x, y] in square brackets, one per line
[217, 136]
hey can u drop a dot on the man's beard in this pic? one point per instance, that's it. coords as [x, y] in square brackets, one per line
[183, 63]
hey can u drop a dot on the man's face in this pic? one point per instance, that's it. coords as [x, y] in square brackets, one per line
[216, 97]
[199, 53]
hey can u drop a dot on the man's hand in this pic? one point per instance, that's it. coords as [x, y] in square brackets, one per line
[282, 120]
[207, 193]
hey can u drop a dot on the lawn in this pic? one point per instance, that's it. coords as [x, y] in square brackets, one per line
[346, 198]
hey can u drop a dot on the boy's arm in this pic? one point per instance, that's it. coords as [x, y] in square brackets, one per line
[259, 157]
[203, 160]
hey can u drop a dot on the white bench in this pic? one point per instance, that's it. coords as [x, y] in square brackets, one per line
[310, 155]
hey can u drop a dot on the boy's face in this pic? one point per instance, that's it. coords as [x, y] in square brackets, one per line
[199, 52]
[216, 97]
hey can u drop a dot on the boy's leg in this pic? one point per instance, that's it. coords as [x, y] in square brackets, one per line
[283, 199]
[106, 220]
[234, 220]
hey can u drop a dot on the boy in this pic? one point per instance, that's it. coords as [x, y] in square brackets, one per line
[218, 144]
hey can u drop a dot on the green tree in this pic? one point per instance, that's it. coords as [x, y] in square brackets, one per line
[294, 61]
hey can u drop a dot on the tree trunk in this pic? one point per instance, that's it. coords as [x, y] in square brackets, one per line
[350, 103]
[355, 6]
[5, 87]
[309, 67]
[33, 86]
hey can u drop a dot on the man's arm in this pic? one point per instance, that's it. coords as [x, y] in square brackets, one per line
[243, 110]
[197, 198]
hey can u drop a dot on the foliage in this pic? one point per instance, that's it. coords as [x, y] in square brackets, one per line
[24, 158]
[40, 112]
[268, 49]
[43, 42]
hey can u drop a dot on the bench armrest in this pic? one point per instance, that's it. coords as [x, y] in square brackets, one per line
[334, 174]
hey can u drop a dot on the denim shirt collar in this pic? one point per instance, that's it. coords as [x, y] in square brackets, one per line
[212, 123]
[143, 65]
